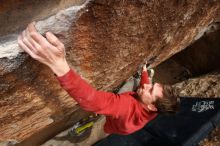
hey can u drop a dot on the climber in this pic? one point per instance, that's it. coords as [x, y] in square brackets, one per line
[125, 113]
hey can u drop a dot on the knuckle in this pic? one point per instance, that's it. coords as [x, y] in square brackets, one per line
[53, 40]
[25, 40]
[34, 56]
[62, 46]
[38, 47]
[37, 52]
[19, 42]
[33, 34]
[44, 46]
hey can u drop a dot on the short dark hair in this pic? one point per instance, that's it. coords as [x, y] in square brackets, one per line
[170, 103]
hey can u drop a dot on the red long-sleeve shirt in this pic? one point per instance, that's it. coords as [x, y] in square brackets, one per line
[124, 113]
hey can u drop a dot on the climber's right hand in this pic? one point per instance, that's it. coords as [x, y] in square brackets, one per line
[48, 50]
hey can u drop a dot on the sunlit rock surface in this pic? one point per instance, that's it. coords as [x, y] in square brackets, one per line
[107, 42]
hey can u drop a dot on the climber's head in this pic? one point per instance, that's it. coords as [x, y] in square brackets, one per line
[158, 98]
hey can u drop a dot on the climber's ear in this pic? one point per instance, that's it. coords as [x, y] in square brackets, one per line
[152, 107]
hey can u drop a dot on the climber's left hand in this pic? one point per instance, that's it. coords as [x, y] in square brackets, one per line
[48, 50]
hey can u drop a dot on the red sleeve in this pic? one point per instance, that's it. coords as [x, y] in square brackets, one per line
[144, 78]
[89, 98]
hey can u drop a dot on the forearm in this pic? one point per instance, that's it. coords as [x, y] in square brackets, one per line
[79, 89]
[76, 87]
[88, 97]
[144, 78]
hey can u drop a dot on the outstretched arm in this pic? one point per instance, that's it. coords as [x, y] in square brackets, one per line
[51, 52]
[89, 98]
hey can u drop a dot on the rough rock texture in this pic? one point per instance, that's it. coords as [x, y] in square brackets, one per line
[205, 86]
[122, 34]
[108, 41]
[59, 24]
[213, 139]
[15, 15]
[199, 58]
[31, 98]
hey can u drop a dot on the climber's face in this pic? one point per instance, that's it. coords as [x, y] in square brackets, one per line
[149, 94]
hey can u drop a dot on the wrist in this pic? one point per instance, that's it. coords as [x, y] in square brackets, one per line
[144, 70]
[60, 68]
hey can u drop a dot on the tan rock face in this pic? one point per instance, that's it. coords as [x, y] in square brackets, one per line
[32, 102]
[17, 14]
[113, 38]
[199, 58]
[108, 41]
